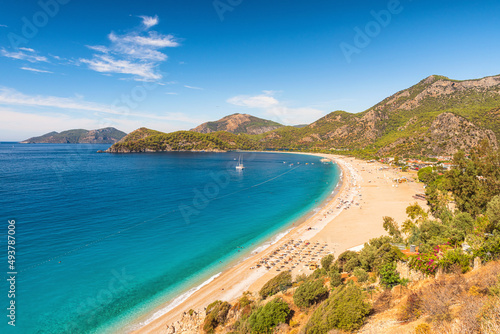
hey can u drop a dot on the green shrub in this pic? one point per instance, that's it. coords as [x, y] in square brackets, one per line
[335, 277]
[327, 261]
[310, 293]
[318, 273]
[493, 213]
[301, 278]
[385, 254]
[245, 301]
[361, 275]
[389, 277]
[455, 256]
[216, 315]
[344, 258]
[426, 175]
[490, 247]
[279, 283]
[463, 222]
[345, 309]
[266, 317]
[367, 256]
[351, 265]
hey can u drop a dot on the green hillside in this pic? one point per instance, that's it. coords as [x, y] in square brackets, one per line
[437, 116]
[79, 136]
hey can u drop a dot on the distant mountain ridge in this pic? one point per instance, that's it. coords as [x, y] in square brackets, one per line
[79, 136]
[239, 123]
[437, 116]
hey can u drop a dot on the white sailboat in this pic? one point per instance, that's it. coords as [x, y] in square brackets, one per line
[240, 166]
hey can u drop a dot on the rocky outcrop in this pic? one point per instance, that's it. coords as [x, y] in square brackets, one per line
[447, 134]
[190, 323]
[406, 272]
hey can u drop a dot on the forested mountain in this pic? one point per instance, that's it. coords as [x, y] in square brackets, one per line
[79, 136]
[437, 116]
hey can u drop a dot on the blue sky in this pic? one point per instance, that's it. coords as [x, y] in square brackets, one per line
[170, 65]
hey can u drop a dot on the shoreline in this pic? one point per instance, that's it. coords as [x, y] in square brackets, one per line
[315, 226]
[262, 246]
[175, 313]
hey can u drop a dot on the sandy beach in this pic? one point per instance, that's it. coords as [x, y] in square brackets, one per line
[348, 220]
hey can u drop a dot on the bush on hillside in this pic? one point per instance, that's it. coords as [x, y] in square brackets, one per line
[345, 309]
[266, 317]
[426, 175]
[344, 258]
[493, 213]
[310, 293]
[367, 255]
[352, 264]
[361, 275]
[318, 273]
[389, 277]
[216, 315]
[327, 261]
[335, 276]
[279, 283]
[455, 257]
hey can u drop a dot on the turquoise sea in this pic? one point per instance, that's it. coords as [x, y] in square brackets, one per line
[102, 239]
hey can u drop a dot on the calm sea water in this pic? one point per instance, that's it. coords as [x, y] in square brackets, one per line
[104, 238]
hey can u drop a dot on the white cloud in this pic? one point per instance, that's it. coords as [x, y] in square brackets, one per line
[29, 55]
[277, 110]
[27, 49]
[34, 70]
[98, 48]
[149, 21]
[193, 87]
[171, 93]
[263, 101]
[107, 64]
[4, 26]
[12, 97]
[153, 40]
[136, 53]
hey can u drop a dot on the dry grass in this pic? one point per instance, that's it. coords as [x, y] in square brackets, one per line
[411, 307]
[490, 322]
[383, 301]
[485, 278]
[439, 297]
[469, 315]
[453, 304]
